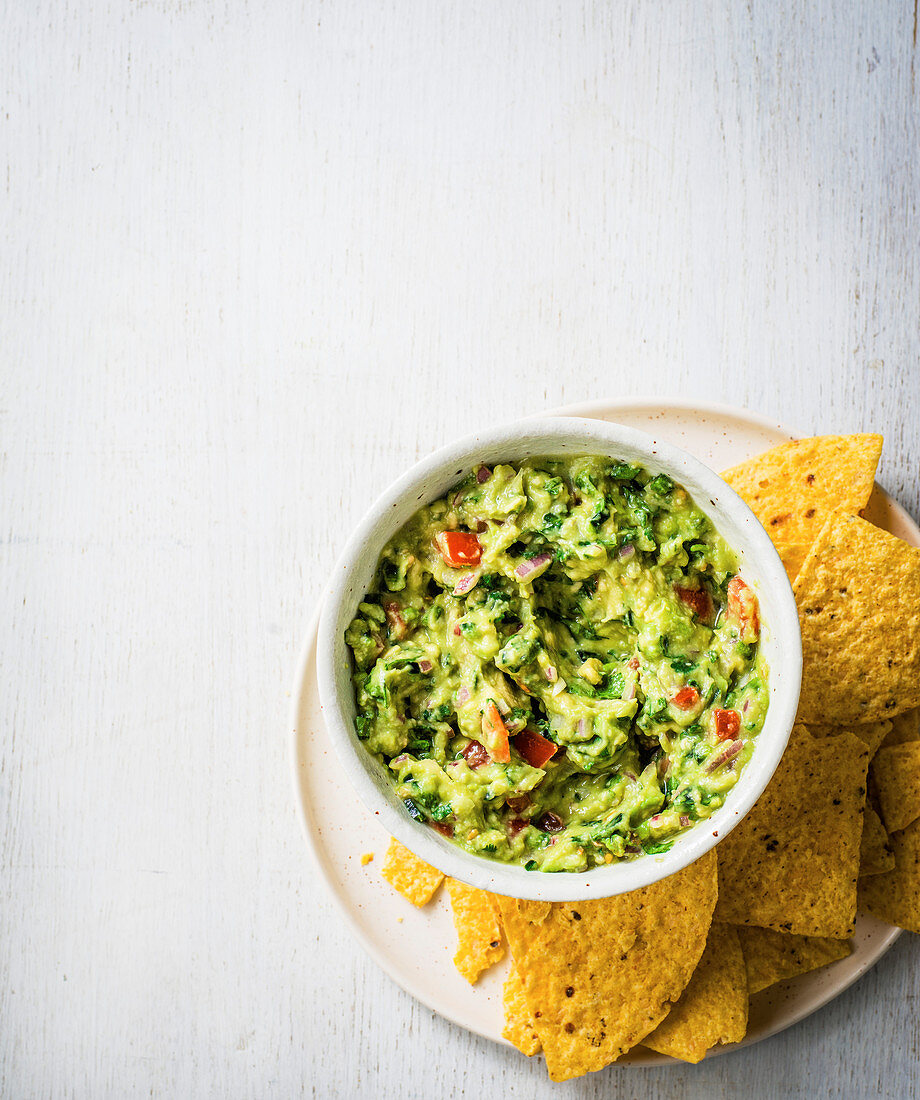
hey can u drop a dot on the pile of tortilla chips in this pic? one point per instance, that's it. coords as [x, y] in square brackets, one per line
[673, 966]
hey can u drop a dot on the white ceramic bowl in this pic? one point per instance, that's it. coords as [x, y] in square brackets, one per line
[432, 478]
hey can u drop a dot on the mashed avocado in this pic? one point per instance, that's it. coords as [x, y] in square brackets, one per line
[558, 663]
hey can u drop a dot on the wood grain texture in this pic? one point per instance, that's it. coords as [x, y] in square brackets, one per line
[258, 258]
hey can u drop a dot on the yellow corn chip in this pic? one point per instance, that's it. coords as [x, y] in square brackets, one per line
[771, 957]
[904, 727]
[858, 594]
[479, 932]
[519, 1026]
[792, 555]
[599, 975]
[714, 1006]
[872, 733]
[895, 896]
[793, 488]
[792, 863]
[896, 771]
[411, 876]
[875, 854]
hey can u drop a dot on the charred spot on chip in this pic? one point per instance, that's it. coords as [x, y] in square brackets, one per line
[569, 991]
[576, 916]
[570, 1028]
[810, 480]
[810, 513]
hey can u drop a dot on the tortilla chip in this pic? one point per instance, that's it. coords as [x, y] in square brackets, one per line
[792, 555]
[600, 975]
[904, 727]
[896, 771]
[771, 957]
[858, 595]
[875, 854]
[714, 1006]
[792, 863]
[895, 896]
[412, 877]
[793, 488]
[519, 1026]
[872, 733]
[479, 931]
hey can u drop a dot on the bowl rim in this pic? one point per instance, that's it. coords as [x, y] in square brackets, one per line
[376, 527]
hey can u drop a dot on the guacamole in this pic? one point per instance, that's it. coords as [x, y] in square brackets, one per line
[559, 664]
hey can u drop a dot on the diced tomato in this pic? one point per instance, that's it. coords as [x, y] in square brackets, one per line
[633, 663]
[728, 722]
[443, 828]
[458, 548]
[518, 803]
[475, 754]
[686, 698]
[535, 749]
[697, 599]
[515, 825]
[743, 606]
[495, 734]
[395, 620]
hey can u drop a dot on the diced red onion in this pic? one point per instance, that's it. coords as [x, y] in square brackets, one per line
[684, 820]
[425, 665]
[727, 754]
[664, 766]
[466, 583]
[746, 707]
[582, 727]
[627, 551]
[402, 759]
[630, 776]
[655, 820]
[526, 568]
[463, 696]
[483, 474]
[550, 673]
[458, 498]
[630, 691]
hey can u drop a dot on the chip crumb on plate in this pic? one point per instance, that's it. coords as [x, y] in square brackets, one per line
[416, 880]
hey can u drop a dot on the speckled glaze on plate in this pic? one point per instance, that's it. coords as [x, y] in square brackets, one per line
[415, 947]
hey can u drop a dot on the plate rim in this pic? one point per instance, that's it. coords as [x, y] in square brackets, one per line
[307, 655]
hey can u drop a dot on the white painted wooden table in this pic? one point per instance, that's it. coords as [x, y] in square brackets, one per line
[259, 257]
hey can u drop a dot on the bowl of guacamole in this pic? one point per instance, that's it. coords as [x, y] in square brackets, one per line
[559, 660]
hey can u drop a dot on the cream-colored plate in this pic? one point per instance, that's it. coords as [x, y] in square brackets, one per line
[415, 947]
